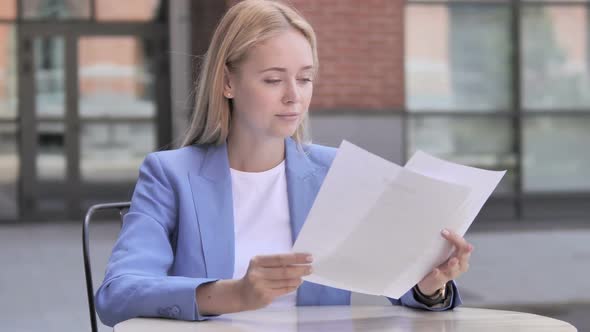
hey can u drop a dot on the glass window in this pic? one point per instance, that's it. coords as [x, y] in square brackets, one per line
[555, 57]
[9, 170]
[8, 9]
[484, 143]
[117, 106]
[56, 9]
[124, 145]
[51, 155]
[555, 153]
[49, 71]
[458, 57]
[115, 77]
[129, 10]
[48, 54]
[8, 68]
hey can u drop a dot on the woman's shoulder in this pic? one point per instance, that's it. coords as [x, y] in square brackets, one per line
[178, 159]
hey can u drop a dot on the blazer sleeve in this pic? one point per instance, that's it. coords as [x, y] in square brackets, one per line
[409, 300]
[137, 281]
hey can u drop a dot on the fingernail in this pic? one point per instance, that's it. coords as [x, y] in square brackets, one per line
[309, 258]
[445, 232]
[310, 270]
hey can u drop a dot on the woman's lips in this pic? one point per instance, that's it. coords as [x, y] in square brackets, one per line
[288, 116]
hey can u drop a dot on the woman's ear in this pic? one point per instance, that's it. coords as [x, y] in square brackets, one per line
[227, 83]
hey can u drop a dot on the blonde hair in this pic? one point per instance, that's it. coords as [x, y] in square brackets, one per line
[242, 27]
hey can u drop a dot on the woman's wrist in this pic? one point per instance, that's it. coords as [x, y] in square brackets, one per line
[220, 297]
[427, 291]
[436, 298]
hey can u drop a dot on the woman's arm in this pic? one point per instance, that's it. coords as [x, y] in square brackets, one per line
[137, 281]
[267, 278]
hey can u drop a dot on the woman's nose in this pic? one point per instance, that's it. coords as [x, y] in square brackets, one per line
[291, 94]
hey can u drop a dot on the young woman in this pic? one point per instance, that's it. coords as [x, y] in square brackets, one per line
[211, 224]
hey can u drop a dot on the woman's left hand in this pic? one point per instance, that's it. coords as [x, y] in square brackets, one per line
[455, 266]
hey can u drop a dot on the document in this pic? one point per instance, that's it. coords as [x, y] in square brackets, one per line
[375, 226]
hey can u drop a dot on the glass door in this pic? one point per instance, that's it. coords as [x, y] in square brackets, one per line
[43, 120]
[93, 104]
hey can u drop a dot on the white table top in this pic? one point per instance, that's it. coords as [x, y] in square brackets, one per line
[356, 318]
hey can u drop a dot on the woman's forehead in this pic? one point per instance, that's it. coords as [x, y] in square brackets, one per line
[287, 51]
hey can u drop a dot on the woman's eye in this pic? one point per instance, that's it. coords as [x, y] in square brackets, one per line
[272, 81]
[305, 80]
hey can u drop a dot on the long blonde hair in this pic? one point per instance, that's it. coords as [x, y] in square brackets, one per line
[242, 27]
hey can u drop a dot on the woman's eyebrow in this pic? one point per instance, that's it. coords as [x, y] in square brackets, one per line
[281, 69]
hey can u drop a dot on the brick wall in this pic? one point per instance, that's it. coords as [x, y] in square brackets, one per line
[360, 46]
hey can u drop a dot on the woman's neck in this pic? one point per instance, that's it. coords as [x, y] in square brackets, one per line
[250, 154]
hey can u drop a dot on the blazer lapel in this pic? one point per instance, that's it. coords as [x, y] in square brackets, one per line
[212, 196]
[303, 183]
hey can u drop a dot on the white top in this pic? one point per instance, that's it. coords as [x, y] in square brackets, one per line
[261, 220]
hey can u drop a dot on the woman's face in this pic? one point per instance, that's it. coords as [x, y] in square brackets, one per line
[272, 87]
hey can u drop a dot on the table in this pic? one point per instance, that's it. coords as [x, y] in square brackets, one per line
[355, 318]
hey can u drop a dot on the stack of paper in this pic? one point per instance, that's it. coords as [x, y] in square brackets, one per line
[375, 227]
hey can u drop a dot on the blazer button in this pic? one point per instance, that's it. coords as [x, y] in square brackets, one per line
[170, 312]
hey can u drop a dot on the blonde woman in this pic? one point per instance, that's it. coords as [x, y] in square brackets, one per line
[212, 224]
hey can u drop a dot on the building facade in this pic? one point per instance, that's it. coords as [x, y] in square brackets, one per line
[87, 88]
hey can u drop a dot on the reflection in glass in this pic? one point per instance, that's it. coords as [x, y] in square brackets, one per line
[8, 68]
[69, 9]
[51, 158]
[129, 10]
[9, 166]
[458, 57]
[117, 107]
[49, 76]
[115, 77]
[8, 9]
[483, 143]
[114, 152]
[555, 57]
[555, 154]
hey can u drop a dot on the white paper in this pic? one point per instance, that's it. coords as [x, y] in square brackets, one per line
[375, 227]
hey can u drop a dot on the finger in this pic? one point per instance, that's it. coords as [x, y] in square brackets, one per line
[464, 256]
[450, 269]
[286, 283]
[282, 291]
[455, 269]
[282, 259]
[287, 272]
[437, 277]
[456, 240]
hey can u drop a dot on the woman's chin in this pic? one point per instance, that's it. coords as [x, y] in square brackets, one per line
[284, 132]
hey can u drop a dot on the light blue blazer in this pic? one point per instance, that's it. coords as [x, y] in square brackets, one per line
[179, 233]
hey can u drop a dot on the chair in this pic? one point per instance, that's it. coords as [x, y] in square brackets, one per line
[122, 207]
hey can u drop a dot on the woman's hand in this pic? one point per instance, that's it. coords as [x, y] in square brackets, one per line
[455, 266]
[269, 277]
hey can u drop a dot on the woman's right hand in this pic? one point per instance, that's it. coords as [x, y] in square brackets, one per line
[269, 277]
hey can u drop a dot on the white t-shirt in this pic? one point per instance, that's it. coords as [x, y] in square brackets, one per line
[261, 219]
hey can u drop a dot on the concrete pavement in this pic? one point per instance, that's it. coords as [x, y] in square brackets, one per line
[544, 271]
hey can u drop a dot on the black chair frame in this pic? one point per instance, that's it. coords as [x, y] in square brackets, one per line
[122, 207]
